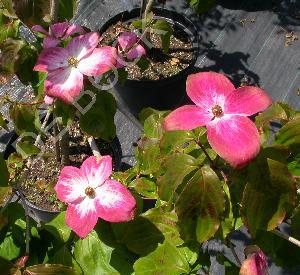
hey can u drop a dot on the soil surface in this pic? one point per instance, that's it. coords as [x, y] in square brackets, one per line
[40, 179]
[161, 65]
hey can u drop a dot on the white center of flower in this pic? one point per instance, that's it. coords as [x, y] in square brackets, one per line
[90, 192]
[217, 111]
[73, 61]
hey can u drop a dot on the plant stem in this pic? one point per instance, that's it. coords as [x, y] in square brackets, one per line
[30, 103]
[205, 152]
[7, 202]
[65, 148]
[56, 140]
[38, 138]
[143, 4]
[27, 231]
[286, 237]
[94, 147]
[148, 7]
[54, 6]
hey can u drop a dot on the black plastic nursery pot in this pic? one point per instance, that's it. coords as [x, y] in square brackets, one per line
[43, 215]
[161, 94]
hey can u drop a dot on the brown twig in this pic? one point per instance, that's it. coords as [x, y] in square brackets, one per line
[94, 147]
[286, 237]
[54, 7]
[30, 103]
[148, 7]
[56, 141]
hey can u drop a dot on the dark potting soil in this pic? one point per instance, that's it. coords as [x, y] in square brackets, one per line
[41, 177]
[161, 65]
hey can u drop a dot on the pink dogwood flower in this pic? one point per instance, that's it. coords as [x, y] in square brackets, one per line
[129, 48]
[223, 110]
[90, 193]
[67, 66]
[255, 264]
[58, 32]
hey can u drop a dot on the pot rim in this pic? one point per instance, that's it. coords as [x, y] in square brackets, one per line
[185, 24]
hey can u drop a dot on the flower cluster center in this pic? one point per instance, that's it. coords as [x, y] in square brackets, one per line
[89, 191]
[217, 111]
[73, 61]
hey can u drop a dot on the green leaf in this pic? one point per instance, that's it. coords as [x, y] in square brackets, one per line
[176, 141]
[4, 175]
[276, 248]
[147, 112]
[122, 74]
[99, 254]
[26, 149]
[166, 222]
[202, 6]
[25, 119]
[275, 112]
[143, 63]
[58, 228]
[143, 23]
[10, 49]
[140, 236]
[294, 164]
[144, 187]
[190, 250]
[50, 269]
[229, 222]
[7, 267]
[62, 256]
[3, 123]
[66, 10]
[9, 30]
[39, 85]
[98, 121]
[165, 260]
[295, 225]
[200, 205]
[8, 10]
[32, 12]
[153, 127]
[148, 156]
[8, 249]
[93, 255]
[27, 58]
[64, 112]
[4, 194]
[165, 30]
[14, 162]
[178, 166]
[269, 194]
[289, 134]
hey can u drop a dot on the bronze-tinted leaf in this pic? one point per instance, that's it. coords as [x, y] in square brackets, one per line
[200, 205]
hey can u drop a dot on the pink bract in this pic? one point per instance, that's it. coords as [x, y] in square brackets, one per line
[223, 110]
[129, 48]
[48, 100]
[256, 264]
[58, 32]
[90, 194]
[67, 66]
